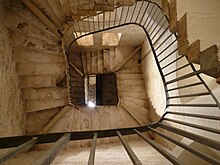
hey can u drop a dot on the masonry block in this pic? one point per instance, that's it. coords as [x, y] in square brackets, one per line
[209, 60]
[107, 5]
[194, 52]
[165, 5]
[182, 35]
[172, 15]
[124, 2]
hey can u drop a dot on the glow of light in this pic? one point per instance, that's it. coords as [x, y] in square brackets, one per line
[91, 104]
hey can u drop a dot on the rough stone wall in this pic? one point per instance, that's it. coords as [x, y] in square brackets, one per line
[11, 111]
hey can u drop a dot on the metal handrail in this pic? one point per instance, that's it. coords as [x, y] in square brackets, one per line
[145, 9]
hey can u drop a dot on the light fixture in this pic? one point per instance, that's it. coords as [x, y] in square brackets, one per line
[91, 104]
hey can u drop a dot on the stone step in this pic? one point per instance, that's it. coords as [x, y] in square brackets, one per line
[78, 96]
[131, 70]
[44, 93]
[130, 82]
[141, 103]
[112, 56]
[19, 23]
[122, 76]
[106, 61]
[22, 39]
[89, 62]
[43, 104]
[40, 68]
[23, 11]
[21, 54]
[142, 120]
[78, 90]
[76, 84]
[143, 111]
[133, 88]
[84, 62]
[94, 62]
[100, 62]
[39, 81]
[136, 95]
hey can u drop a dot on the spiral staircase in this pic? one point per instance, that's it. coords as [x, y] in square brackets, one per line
[52, 81]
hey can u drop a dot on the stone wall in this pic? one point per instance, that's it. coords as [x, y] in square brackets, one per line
[11, 110]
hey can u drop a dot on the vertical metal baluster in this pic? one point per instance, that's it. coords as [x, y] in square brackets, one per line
[121, 15]
[98, 22]
[157, 26]
[48, 156]
[151, 18]
[144, 13]
[103, 20]
[155, 20]
[148, 15]
[92, 151]
[75, 30]
[93, 22]
[109, 22]
[133, 11]
[89, 24]
[128, 8]
[128, 149]
[139, 11]
[160, 35]
[79, 29]
[115, 15]
[84, 27]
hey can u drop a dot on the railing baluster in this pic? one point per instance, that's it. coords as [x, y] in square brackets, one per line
[166, 154]
[103, 20]
[192, 105]
[188, 148]
[158, 25]
[121, 15]
[162, 42]
[151, 20]
[194, 126]
[177, 59]
[155, 21]
[166, 48]
[128, 149]
[148, 16]
[139, 10]
[98, 22]
[164, 32]
[93, 20]
[79, 29]
[194, 115]
[133, 12]
[184, 77]
[189, 95]
[89, 25]
[185, 86]
[184, 66]
[144, 13]
[128, 8]
[18, 150]
[168, 55]
[109, 21]
[92, 151]
[47, 157]
[115, 15]
[201, 139]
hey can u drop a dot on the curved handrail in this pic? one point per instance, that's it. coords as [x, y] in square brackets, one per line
[148, 31]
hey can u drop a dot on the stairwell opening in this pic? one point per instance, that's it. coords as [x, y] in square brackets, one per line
[101, 90]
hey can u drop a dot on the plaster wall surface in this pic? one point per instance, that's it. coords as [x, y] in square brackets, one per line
[203, 20]
[11, 110]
